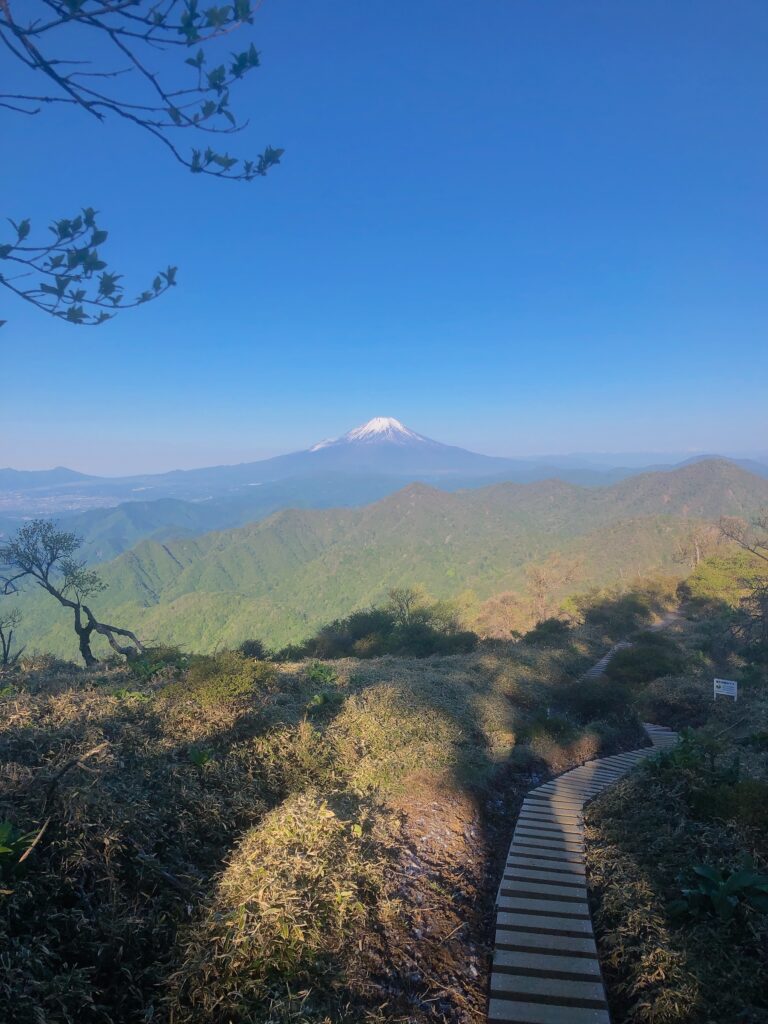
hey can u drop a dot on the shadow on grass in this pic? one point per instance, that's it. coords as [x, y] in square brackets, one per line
[140, 833]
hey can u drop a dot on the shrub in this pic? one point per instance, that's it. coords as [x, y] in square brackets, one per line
[13, 845]
[253, 649]
[388, 731]
[404, 628]
[556, 727]
[547, 632]
[320, 673]
[156, 660]
[615, 616]
[745, 802]
[588, 699]
[675, 701]
[222, 678]
[645, 661]
[295, 893]
[294, 758]
[721, 892]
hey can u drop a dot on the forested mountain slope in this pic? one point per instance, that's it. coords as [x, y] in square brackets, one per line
[282, 577]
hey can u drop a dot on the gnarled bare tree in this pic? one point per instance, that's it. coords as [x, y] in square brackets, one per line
[125, 78]
[9, 620]
[751, 536]
[45, 555]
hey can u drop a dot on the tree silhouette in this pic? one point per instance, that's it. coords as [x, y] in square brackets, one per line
[73, 281]
[40, 552]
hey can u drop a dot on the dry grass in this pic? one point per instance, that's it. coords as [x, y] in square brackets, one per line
[644, 837]
[228, 851]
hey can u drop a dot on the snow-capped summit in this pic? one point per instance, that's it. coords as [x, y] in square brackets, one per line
[383, 428]
[379, 429]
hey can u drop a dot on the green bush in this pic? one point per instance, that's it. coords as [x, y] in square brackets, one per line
[722, 892]
[156, 660]
[427, 629]
[253, 649]
[615, 616]
[548, 632]
[589, 699]
[745, 802]
[13, 844]
[645, 661]
[555, 727]
[320, 673]
[221, 678]
[675, 701]
[294, 758]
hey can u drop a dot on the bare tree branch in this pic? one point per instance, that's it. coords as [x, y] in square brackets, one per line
[74, 283]
[42, 553]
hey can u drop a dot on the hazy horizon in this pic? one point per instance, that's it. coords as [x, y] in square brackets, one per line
[608, 458]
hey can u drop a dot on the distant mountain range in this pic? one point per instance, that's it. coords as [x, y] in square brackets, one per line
[364, 465]
[282, 577]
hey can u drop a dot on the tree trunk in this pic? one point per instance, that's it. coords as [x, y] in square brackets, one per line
[84, 639]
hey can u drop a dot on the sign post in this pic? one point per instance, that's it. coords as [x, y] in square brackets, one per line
[726, 688]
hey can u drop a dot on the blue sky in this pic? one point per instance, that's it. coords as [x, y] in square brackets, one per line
[516, 225]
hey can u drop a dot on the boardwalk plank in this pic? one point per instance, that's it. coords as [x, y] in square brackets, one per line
[545, 968]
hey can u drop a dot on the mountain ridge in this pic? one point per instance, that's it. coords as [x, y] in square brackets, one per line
[283, 576]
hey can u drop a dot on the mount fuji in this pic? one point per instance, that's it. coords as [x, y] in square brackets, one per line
[364, 465]
[381, 447]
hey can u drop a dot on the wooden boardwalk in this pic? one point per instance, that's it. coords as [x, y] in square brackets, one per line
[545, 966]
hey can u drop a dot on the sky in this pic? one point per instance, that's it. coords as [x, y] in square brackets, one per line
[519, 226]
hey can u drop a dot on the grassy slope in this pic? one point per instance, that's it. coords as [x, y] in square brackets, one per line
[646, 834]
[284, 576]
[261, 838]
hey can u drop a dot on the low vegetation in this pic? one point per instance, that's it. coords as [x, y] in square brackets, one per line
[206, 837]
[316, 835]
[408, 624]
[678, 852]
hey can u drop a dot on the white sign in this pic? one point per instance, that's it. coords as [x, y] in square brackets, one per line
[726, 688]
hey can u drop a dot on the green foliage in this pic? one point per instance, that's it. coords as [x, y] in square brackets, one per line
[320, 673]
[721, 580]
[758, 740]
[325, 702]
[13, 844]
[200, 756]
[552, 631]
[646, 660]
[697, 753]
[295, 757]
[556, 727]
[590, 699]
[123, 693]
[157, 661]
[253, 649]
[74, 282]
[222, 678]
[721, 892]
[407, 625]
[296, 571]
[744, 801]
[677, 701]
[616, 613]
